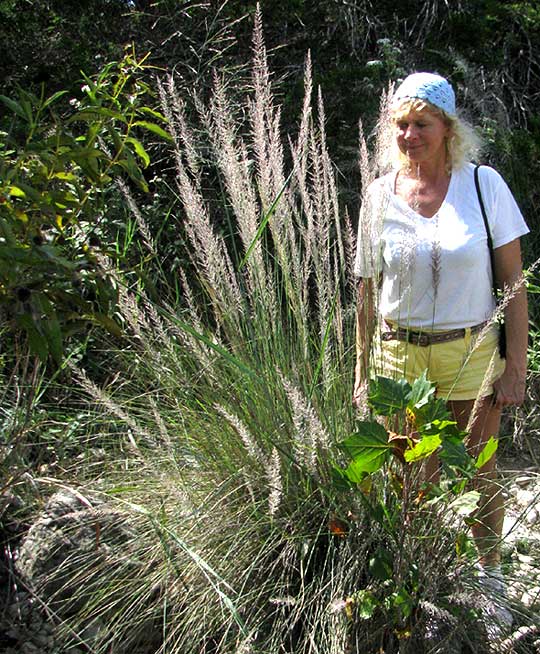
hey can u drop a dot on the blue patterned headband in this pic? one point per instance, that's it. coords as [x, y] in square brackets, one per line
[427, 86]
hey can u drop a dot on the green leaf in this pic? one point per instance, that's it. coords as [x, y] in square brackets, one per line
[388, 396]
[153, 113]
[14, 106]
[340, 481]
[54, 97]
[152, 127]
[107, 322]
[37, 342]
[426, 447]
[54, 337]
[90, 114]
[369, 450]
[29, 191]
[381, 565]
[264, 221]
[369, 434]
[366, 603]
[434, 409]
[139, 149]
[465, 504]
[422, 391]
[465, 544]
[454, 453]
[488, 451]
[16, 192]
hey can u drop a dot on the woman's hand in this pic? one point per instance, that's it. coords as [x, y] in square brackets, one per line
[509, 389]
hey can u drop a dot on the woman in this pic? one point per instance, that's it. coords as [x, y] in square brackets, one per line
[423, 246]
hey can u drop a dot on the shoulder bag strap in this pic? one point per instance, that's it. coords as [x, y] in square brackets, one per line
[488, 231]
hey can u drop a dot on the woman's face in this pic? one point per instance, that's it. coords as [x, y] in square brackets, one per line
[421, 136]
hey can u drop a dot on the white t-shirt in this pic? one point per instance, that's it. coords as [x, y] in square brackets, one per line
[436, 272]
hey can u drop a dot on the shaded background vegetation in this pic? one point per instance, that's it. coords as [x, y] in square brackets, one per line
[487, 48]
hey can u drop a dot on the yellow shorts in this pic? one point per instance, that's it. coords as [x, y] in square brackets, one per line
[463, 369]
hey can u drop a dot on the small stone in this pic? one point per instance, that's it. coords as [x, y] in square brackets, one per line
[531, 597]
[525, 558]
[532, 517]
[525, 497]
[523, 480]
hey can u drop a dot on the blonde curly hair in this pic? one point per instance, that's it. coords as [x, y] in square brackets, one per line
[462, 145]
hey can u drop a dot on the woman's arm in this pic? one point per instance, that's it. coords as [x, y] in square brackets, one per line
[365, 319]
[510, 388]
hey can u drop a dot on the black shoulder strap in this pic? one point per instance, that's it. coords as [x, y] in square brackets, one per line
[486, 225]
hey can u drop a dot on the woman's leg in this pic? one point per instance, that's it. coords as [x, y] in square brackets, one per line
[487, 530]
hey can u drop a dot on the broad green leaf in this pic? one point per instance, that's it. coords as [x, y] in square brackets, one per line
[139, 149]
[465, 504]
[366, 463]
[90, 113]
[369, 434]
[388, 396]
[37, 342]
[426, 447]
[105, 321]
[14, 106]
[153, 113]
[403, 600]
[152, 127]
[445, 427]
[54, 97]
[366, 603]
[68, 177]
[454, 453]
[489, 450]
[340, 481]
[16, 192]
[465, 544]
[434, 409]
[29, 191]
[54, 336]
[381, 565]
[422, 391]
[369, 450]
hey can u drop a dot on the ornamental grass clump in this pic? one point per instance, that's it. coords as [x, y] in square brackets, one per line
[260, 515]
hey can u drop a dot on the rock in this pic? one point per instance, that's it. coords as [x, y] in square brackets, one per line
[525, 559]
[525, 497]
[532, 517]
[76, 545]
[531, 596]
[70, 530]
[523, 480]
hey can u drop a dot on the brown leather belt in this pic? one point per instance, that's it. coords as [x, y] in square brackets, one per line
[429, 338]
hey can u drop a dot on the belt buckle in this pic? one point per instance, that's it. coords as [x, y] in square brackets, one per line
[423, 339]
